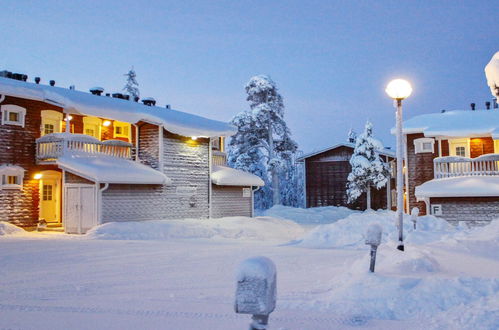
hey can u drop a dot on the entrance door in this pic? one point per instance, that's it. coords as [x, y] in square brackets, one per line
[80, 212]
[50, 196]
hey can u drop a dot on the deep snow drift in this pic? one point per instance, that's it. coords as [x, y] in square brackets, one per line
[181, 273]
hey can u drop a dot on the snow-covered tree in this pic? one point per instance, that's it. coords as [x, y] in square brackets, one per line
[263, 139]
[368, 170]
[131, 87]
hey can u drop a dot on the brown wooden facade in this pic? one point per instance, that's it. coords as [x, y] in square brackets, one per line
[326, 176]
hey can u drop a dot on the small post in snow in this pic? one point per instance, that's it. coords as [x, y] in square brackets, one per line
[256, 290]
[414, 216]
[373, 238]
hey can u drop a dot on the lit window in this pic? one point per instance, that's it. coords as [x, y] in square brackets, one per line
[51, 122]
[121, 129]
[92, 126]
[13, 115]
[11, 177]
[423, 145]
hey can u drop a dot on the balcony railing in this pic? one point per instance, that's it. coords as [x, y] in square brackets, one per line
[452, 166]
[219, 158]
[52, 146]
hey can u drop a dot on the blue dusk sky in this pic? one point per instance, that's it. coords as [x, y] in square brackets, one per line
[330, 59]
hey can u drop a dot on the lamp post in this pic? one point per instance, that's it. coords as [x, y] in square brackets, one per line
[399, 90]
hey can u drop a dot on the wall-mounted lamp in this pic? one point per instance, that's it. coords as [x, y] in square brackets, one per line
[194, 138]
[106, 123]
[38, 176]
[70, 117]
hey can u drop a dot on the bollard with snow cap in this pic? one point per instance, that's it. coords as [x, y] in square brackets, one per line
[256, 290]
[373, 238]
[414, 216]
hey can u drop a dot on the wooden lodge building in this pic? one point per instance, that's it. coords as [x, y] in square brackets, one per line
[326, 173]
[76, 160]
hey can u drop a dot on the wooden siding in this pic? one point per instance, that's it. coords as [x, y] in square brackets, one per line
[17, 147]
[229, 201]
[73, 178]
[474, 211]
[185, 162]
[149, 145]
[326, 180]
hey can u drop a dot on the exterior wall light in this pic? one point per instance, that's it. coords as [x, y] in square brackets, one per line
[194, 138]
[38, 176]
[106, 123]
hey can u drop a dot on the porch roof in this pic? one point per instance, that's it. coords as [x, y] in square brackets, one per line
[105, 169]
[227, 176]
[463, 186]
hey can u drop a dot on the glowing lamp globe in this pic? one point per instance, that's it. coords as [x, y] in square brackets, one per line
[399, 89]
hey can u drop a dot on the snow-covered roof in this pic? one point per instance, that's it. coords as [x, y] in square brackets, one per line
[384, 152]
[463, 186]
[458, 123]
[227, 176]
[105, 169]
[77, 102]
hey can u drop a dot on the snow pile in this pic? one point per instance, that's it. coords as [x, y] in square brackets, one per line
[349, 232]
[463, 186]
[492, 74]
[226, 176]
[311, 216]
[9, 229]
[240, 228]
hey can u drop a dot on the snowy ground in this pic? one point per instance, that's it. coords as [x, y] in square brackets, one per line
[181, 274]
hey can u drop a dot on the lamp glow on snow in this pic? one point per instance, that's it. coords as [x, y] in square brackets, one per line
[398, 90]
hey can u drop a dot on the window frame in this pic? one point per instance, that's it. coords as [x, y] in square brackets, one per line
[51, 117]
[454, 143]
[419, 145]
[121, 124]
[93, 123]
[6, 109]
[7, 171]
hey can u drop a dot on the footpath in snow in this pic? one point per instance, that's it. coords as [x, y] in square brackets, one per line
[182, 273]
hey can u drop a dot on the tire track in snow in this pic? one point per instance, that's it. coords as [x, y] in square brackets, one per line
[351, 321]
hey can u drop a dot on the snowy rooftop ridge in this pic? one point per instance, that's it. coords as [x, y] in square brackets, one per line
[384, 152]
[457, 123]
[77, 102]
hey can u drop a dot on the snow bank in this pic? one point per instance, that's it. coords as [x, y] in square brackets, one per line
[311, 216]
[349, 232]
[9, 229]
[464, 186]
[240, 228]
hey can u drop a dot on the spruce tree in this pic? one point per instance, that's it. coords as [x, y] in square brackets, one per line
[368, 170]
[131, 87]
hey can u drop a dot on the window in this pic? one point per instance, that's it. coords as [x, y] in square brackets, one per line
[92, 126]
[13, 115]
[11, 177]
[121, 129]
[47, 192]
[51, 122]
[423, 145]
[459, 147]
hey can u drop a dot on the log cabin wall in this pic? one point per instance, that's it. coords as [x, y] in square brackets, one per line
[326, 180]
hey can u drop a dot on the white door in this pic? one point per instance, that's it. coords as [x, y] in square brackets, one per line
[79, 208]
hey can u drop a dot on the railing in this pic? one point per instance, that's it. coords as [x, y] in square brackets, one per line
[452, 166]
[52, 146]
[219, 158]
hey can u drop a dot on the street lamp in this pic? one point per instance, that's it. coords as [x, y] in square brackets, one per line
[398, 90]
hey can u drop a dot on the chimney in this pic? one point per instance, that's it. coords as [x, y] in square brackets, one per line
[442, 111]
[107, 94]
[118, 95]
[168, 106]
[487, 105]
[52, 82]
[149, 101]
[136, 99]
[473, 106]
[494, 102]
[72, 87]
[96, 90]
[37, 80]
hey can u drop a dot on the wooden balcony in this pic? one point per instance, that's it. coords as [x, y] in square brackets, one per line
[52, 146]
[452, 166]
[219, 158]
